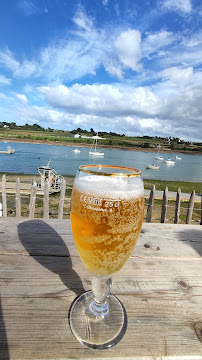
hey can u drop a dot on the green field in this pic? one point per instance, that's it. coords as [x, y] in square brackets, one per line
[112, 140]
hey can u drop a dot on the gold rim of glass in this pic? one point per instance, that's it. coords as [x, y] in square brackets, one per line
[133, 172]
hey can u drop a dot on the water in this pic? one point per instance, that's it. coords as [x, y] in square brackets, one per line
[28, 157]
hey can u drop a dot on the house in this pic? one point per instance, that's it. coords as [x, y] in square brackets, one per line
[76, 136]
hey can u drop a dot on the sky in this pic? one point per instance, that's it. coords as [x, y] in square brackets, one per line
[133, 67]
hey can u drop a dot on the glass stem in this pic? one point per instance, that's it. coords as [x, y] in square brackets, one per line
[101, 289]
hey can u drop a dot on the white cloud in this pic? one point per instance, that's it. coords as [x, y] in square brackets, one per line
[128, 50]
[178, 5]
[167, 109]
[7, 59]
[157, 40]
[113, 67]
[28, 7]
[82, 20]
[177, 75]
[22, 98]
[41, 115]
[22, 70]
[4, 80]
[106, 100]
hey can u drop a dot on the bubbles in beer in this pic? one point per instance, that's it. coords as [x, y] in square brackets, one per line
[106, 221]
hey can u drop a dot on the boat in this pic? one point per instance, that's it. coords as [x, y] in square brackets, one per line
[8, 151]
[178, 158]
[52, 177]
[76, 151]
[152, 167]
[169, 162]
[93, 150]
[159, 157]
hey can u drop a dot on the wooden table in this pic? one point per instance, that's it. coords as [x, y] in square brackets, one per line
[160, 287]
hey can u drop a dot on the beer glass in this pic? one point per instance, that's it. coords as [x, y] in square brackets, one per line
[107, 207]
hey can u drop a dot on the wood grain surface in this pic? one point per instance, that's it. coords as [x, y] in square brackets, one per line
[160, 287]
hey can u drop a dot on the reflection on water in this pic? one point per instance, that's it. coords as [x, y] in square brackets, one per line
[29, 156]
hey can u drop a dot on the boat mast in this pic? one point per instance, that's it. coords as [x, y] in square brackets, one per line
[95, 144]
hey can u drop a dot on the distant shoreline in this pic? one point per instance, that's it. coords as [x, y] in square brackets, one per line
[75, 144]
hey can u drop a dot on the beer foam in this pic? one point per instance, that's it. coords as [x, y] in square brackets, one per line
[108, 186]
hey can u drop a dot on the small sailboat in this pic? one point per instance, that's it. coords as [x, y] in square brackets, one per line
[76, 151]
[152, 167]
[158, 156]
[169, 162]
[93, 150]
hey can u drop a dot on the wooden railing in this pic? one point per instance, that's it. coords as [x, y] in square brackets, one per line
[46, 209]
[164, 206]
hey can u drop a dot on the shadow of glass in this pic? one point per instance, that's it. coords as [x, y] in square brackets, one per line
[192, 237]
[47, 247]
[4, 352]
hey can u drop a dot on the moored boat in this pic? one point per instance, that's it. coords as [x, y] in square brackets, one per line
[169, 162]
[51, 176]
[93, 150]
[76, 151]
[152, 167]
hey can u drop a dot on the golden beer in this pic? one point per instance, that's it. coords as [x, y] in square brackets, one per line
[106, 222]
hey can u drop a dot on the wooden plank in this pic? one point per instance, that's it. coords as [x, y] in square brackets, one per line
[164, 205]
[56, 239]
[18, 198]
[190, 208]
[201, 211]
[4, 197]
[160, 287]
[32, 203]
[150, 205]
[46, 201]
[62, 198]
[37, 293]
[177, 206]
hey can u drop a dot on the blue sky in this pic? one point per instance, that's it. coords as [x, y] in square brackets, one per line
[126, 66]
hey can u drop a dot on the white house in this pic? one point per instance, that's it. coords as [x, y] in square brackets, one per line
[76, 136]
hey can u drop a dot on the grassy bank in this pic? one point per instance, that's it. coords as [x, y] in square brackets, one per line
[185, 186]
[60, 137]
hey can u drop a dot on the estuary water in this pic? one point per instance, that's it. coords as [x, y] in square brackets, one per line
[28, 157]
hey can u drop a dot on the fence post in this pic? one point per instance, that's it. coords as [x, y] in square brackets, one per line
[46, 201]
[32, 202]
[177, 206]
[17, 198]
[150, 204]
[190, 207]
[164, 205]
[4, 200]
[62, 198]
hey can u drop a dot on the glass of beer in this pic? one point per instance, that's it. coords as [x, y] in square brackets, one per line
[107, 208]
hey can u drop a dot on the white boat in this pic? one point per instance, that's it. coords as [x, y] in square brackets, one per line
[159, 157]
[178, 158]
[152, 167]
[77, 151]
[93, 150]
[169, 162]
[52, 177]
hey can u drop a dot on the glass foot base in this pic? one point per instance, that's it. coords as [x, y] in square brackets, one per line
[97, 332]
